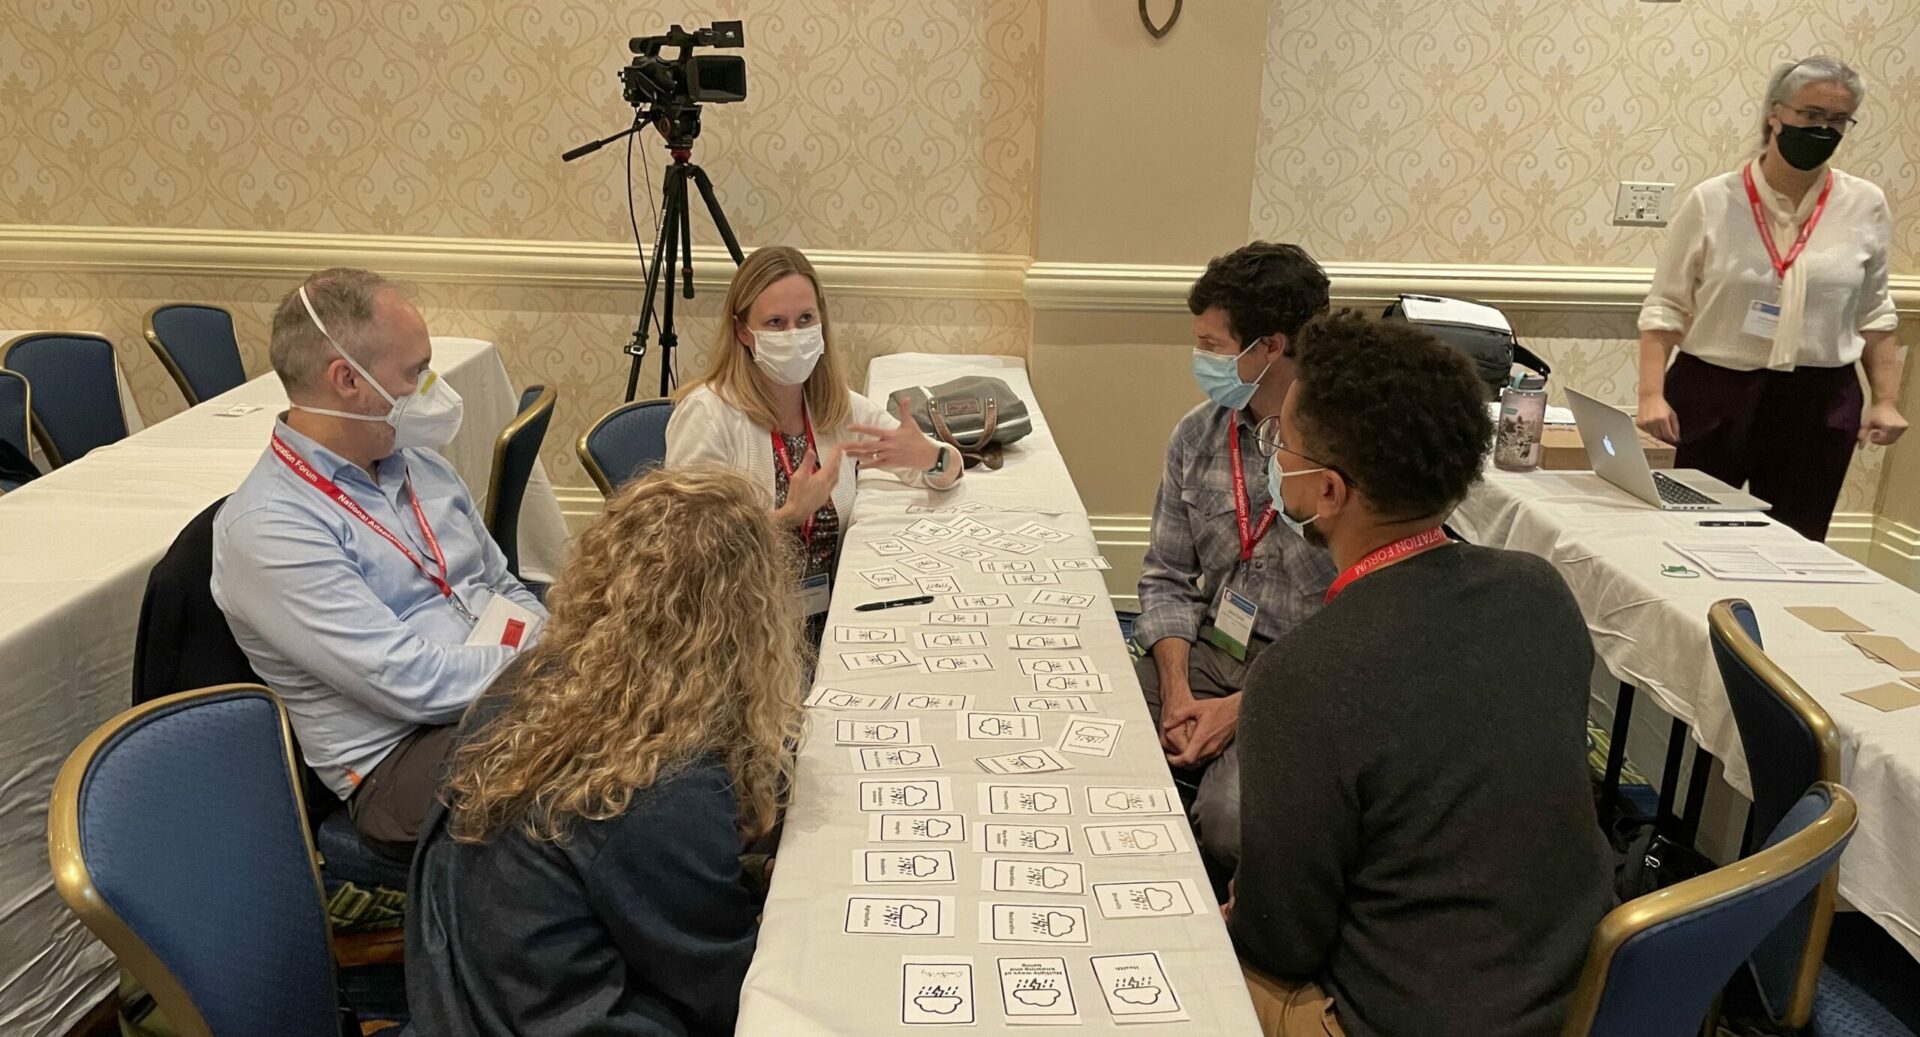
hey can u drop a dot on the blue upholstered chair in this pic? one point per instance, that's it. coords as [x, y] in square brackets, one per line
[76, 401]
[149, 817]
[197, 346]
[514, 454]
[16, 406]
[1657, 962]
[630, 439]
[1790, 743]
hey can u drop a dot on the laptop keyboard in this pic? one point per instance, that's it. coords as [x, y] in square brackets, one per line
[1673, 491]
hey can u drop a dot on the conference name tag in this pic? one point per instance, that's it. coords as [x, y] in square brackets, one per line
[505, 622]
[815, 594]
[1763, 319]
[1233, 624]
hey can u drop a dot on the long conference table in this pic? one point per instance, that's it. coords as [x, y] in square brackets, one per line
[915, 887]
[76, 547]
[1650, 630]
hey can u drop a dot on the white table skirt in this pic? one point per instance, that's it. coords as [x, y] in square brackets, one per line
[1651, 631]
[809, 979]
[76, 547]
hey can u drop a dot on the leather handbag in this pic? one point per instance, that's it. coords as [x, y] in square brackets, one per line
[975, 415]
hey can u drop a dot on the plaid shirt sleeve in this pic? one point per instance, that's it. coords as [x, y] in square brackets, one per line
[1172, 603]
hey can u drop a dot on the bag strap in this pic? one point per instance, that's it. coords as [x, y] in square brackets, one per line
[983, 450]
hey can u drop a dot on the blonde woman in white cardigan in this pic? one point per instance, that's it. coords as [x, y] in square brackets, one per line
[774, 404]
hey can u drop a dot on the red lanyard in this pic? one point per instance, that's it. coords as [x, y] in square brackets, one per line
[1250, 535]
[786, 466]
[1781, 266]
[1387, 555]
[352, 507]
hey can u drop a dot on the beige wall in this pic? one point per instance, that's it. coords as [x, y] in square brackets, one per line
[894, 125]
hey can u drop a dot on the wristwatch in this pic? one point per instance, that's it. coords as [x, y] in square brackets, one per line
[940, 460]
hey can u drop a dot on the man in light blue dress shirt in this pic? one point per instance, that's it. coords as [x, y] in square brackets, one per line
[352, 563]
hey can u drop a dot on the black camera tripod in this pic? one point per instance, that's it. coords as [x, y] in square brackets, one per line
[673, 245]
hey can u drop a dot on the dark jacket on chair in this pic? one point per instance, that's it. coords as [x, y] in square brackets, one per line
[184, 642]
[641, 924]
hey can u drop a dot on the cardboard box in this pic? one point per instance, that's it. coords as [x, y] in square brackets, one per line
[1561, 450]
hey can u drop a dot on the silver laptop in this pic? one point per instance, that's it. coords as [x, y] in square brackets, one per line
[1613, 448]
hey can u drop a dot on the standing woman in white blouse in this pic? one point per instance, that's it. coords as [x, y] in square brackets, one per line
[775, 405]
[1773, 285]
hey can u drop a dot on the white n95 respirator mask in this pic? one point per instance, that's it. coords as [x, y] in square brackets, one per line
[427, 417]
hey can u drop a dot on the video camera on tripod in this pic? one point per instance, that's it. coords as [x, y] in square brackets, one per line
[666, 93]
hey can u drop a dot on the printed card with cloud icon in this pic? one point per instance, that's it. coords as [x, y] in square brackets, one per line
[932, 701]
[1014, 565]
[1025, 799]
[1160, 898]
[1044, 534]
[957, 619]
[1136, 988]
[982, 601]
[925, 565]
[1048, 619]
[1030, 579]
[896, 758]
[866, 635]
[1010, 545]
[1053, 704]
[964, 552]
[946, 640]
[999, 727]
[1061, 682]
[884, 578]
[1027, 761]
[899, 916]
[1049, 664]
[918, 795]
[974, 528]
[936, 530]
[1079, 565]
[917, 828]
[904, 865]
[1037, 990]
[1151, 799]
[1091, 736]
[1022, 838]
[876, 732]
[1135, 839]
[858, 701]
[1012, 876]
[1042, 642]
[1033, 923]
[877, 659]
[888, 547]
[937, 584]
[978, 662]
[936, 991]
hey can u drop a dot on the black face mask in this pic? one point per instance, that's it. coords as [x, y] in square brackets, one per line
[1807, 147]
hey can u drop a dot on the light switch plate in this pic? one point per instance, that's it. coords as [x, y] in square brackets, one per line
[1642, 204]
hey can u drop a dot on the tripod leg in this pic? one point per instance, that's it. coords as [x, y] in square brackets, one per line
[686, 240]
[673, 175]
[675, 218]
[719, 216]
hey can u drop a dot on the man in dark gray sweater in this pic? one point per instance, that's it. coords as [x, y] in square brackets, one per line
[1420, 856]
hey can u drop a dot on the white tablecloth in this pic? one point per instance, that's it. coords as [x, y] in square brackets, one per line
[1651, 631]
[76, 547]
[808, 978]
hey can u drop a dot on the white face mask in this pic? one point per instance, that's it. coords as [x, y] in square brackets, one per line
[788, 357]
[427, 417]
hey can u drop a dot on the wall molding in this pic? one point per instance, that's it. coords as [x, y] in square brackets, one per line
[429, 260]
[1114, 287]
[1046, 286]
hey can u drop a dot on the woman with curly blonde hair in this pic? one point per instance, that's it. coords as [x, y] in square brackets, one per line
[581, 872]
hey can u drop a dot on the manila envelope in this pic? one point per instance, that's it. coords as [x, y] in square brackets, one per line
[1887, 697]
[1890, 650]
[1829, 619]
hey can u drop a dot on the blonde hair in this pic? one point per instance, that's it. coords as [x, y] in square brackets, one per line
[731, 373]
[675, 633]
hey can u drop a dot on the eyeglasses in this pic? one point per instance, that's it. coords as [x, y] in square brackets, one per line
[1266, 438]
[1842, 121]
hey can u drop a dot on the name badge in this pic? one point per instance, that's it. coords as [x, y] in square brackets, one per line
[1763, 320]
[505, 622]
[816, 593]
[1233, 624]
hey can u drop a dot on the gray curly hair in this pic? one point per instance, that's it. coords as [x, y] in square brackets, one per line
[1792, 75]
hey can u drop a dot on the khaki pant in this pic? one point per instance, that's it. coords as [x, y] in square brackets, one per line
[1211, 673]
[392, 800]
[1290, 1009]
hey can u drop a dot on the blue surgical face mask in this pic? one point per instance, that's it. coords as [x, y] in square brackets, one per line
[1274, 478]
[1219, 377]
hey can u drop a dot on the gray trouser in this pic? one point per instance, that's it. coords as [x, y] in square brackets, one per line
[1216, 808]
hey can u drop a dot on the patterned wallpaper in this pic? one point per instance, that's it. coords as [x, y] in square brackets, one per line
[1489, 131]
[887, 124]
[906, 125]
